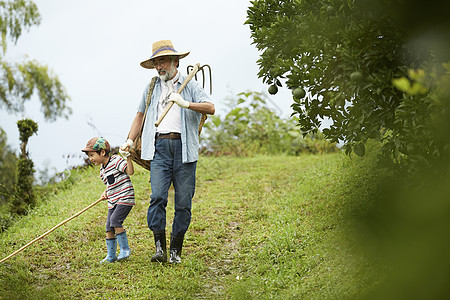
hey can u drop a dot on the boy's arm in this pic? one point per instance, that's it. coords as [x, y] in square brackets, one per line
[130, 167]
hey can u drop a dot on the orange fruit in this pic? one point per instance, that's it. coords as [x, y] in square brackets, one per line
[299, 93]
[273, 89]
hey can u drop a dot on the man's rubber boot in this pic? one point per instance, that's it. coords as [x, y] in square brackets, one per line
[160, 245]
[125, 251]
[176, 245]
[111, 245]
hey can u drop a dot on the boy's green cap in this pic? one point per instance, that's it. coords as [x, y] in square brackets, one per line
[96, 144]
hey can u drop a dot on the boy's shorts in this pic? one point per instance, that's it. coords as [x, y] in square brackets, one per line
[116, 216]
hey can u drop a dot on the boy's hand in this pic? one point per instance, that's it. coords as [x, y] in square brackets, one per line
[104, 197]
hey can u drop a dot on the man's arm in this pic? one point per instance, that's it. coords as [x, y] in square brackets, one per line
[203, 107]
[136, 126]
[134, 131]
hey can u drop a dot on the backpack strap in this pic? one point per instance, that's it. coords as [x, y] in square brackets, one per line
[136, 149]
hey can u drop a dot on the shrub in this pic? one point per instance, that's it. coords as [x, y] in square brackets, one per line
[250, 127]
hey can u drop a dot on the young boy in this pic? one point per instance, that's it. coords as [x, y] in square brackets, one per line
[119, 192]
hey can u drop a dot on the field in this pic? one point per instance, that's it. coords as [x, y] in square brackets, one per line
[264, 227]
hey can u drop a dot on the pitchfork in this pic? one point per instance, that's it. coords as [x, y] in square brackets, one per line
[192, 70]
[202, 68]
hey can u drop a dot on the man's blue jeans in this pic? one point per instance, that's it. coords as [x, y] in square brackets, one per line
[167, 168]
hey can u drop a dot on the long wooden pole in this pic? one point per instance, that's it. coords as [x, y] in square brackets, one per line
[185, 82]
[49, 231]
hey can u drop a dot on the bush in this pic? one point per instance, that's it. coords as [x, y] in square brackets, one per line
[250, 127]
[6, 218]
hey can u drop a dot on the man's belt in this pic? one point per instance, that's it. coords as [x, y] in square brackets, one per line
[171, 135]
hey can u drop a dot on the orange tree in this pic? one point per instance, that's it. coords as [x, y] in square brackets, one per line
[371, 66]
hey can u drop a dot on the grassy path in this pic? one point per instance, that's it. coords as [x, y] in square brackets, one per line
[259, 230]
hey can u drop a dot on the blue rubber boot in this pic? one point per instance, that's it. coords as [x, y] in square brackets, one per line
[125, 251]
[111, 246]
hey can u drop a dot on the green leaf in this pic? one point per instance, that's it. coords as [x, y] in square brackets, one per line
[359, 149]
[402, 84]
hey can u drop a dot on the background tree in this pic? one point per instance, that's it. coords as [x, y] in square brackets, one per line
[19, 80]
[347, 55]
[24, 197]
[8, 167]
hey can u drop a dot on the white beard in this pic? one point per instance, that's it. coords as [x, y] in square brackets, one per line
[168, 74]
[164, 77]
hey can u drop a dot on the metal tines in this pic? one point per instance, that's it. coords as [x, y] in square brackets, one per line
[202, 68]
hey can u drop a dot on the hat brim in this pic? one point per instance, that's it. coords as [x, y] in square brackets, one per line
[88, 150]
[148, 64]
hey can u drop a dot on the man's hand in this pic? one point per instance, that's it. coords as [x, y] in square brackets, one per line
[124, 154]
[126, 147]
[175, 97]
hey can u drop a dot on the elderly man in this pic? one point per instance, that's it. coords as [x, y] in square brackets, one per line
[172, 147]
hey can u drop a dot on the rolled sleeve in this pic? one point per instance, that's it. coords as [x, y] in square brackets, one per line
[141, 106]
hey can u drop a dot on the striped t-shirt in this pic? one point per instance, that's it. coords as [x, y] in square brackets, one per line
[119, 188]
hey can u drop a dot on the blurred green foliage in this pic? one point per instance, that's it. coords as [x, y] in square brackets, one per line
[250, 127]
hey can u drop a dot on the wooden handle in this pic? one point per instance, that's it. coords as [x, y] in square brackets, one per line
[60, 224]
[185, 82]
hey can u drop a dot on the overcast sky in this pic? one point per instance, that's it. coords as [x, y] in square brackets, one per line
[95, 48]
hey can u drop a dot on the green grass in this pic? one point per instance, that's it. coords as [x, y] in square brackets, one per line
[270, 227]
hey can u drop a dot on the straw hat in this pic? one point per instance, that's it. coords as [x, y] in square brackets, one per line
[162, 48]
